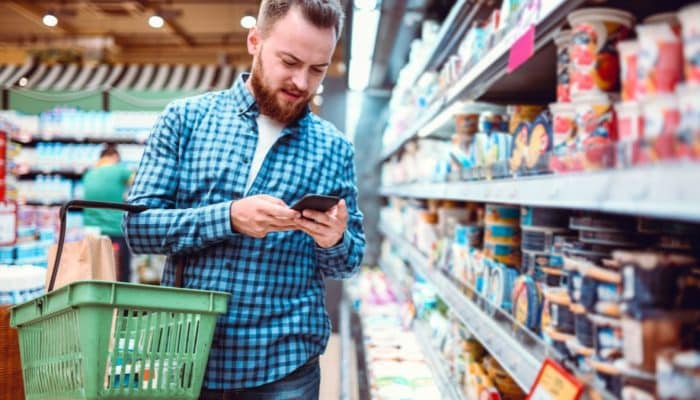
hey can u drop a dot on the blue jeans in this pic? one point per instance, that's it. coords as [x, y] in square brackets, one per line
[302, 384]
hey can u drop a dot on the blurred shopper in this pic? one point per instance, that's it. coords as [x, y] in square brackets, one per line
[218, 174]
[108, 180]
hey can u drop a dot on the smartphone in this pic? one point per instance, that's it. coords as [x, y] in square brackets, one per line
[316, 202]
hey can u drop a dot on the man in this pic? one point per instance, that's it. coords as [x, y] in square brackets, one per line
[107, 181]
[218, 174]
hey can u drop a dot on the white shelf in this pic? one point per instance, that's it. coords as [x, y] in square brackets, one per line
[663, 191]
[478, 79]
[521, 359]
[443, 380]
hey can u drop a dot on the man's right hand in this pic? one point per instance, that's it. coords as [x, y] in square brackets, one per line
[259, 215]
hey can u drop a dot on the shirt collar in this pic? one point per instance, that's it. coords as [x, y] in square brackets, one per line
[246, 101]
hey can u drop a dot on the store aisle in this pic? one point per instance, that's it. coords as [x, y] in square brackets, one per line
[330, 372]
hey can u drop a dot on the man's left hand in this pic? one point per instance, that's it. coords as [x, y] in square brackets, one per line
[326, 228]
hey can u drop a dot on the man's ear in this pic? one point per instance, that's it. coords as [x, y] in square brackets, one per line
[254, 40]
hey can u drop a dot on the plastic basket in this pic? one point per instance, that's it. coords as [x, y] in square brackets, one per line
[109, 340]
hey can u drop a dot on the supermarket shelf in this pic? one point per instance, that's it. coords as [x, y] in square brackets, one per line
[489, 80]
[520, 361]
[452, 30]
[345, 348]
[74, 173]
[443, 380]
[30, 140]
[647, 191]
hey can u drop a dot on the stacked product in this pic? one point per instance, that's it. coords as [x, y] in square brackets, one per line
[396, 365]
[20, 283]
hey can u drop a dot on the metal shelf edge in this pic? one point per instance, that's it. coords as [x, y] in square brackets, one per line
[447, 387]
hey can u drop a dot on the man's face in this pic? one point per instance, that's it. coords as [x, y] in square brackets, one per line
[289, 64]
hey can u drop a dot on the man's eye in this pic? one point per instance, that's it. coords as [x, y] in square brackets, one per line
[317, 70]
[288, 62]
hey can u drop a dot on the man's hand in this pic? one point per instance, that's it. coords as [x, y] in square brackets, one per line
[259, 215]
[326, 228]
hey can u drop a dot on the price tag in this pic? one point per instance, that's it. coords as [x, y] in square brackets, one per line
[554, 383]
[523, 48]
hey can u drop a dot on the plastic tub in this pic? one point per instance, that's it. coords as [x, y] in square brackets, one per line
[539, 144]
[503, 253]
[654, 280]
[629, 81]
[582, 325]
[609, 375]
[541, 240]
[595, 65]
[561, 317]
[660, 60]
[607, 337]
[563, 41]
[563, 135]
[527, 302]
[678, 374]
[535, 217]
[646, 336]
[596, 132]
[502, 214]
[502, 234]
[690, 23]
[688, 145]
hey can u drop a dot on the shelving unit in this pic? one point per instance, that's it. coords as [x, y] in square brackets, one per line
[640, 191]
[33, 140]
[489, 80]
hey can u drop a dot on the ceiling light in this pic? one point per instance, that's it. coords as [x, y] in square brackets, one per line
[366, 4]
[248, 21]
[50, 19]
[320, 89]
[156, 21]
[23, 81]
[318, 100]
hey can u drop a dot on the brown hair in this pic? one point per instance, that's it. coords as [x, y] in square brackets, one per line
[321, 13]
[110, 149]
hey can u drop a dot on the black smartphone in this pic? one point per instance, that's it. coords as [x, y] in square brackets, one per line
[316, 202]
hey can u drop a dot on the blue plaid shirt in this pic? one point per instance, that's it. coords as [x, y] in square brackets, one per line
[196, 163]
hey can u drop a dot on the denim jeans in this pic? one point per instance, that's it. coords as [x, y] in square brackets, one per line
[302, 384]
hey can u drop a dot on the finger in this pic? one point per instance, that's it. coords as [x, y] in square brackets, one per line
[281, 212]
[273, 200]
[320, 217]
[312, 227]
[342, 211]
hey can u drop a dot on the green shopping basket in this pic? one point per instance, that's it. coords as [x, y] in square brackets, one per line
[110, 340]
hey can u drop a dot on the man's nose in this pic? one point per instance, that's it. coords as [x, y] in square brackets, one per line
[301, 80]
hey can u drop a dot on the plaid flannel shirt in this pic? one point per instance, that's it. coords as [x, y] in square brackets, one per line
[196, 163]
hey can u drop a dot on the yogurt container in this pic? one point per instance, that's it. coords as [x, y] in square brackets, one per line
[660, 60]
[629, 52]
[563, 135]
[563, 41]
[661, 123]
[596, 132]
[688, 144]
[690, 24]
[595, 66]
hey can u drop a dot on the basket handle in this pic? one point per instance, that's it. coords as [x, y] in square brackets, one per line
[81, 204]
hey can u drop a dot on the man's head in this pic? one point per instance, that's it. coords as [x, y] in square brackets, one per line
[292, 46]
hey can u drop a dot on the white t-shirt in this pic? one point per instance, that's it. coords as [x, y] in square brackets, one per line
[269, 131]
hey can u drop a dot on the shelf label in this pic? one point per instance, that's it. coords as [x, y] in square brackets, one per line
[523, 48]
[554, 383]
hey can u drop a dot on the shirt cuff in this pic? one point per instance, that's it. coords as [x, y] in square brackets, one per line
[221, 217]
[340, 250]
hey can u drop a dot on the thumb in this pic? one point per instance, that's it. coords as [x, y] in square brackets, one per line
[272, 199]
[342, 210]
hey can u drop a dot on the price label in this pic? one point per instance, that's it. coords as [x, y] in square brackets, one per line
[554, 383]
[523, 48]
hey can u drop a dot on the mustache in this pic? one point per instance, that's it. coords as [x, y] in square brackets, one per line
[296, 91]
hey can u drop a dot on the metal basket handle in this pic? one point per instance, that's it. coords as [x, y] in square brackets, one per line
[81, 204]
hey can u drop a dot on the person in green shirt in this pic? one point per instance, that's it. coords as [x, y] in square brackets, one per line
[108, 181]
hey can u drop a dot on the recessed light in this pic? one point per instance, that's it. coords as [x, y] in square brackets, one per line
[248, 21]
[156, 21]
[50, 19]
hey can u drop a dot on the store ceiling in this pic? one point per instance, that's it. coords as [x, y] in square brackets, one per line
[195, 31]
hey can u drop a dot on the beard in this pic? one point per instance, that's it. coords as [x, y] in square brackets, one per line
[280, 110]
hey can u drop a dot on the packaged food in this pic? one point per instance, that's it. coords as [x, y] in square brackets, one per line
[688, 141]
[527, 302]
[655, 280]
[595, 65]
[520, 113]
[690, 23]
[678, 374]
[660, 60]
[563, 135]
[650, 332]
[561, 317]
[539, 144]
[502, 234]
[607, 337]
[503, 253]
[582, 325]
[629, 53]
[540, 239]
[519, 150]
[609, 375]
[562, 41]
[596, 132]
[502, 214]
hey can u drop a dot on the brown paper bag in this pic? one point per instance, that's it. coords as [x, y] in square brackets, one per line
[88, 259]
